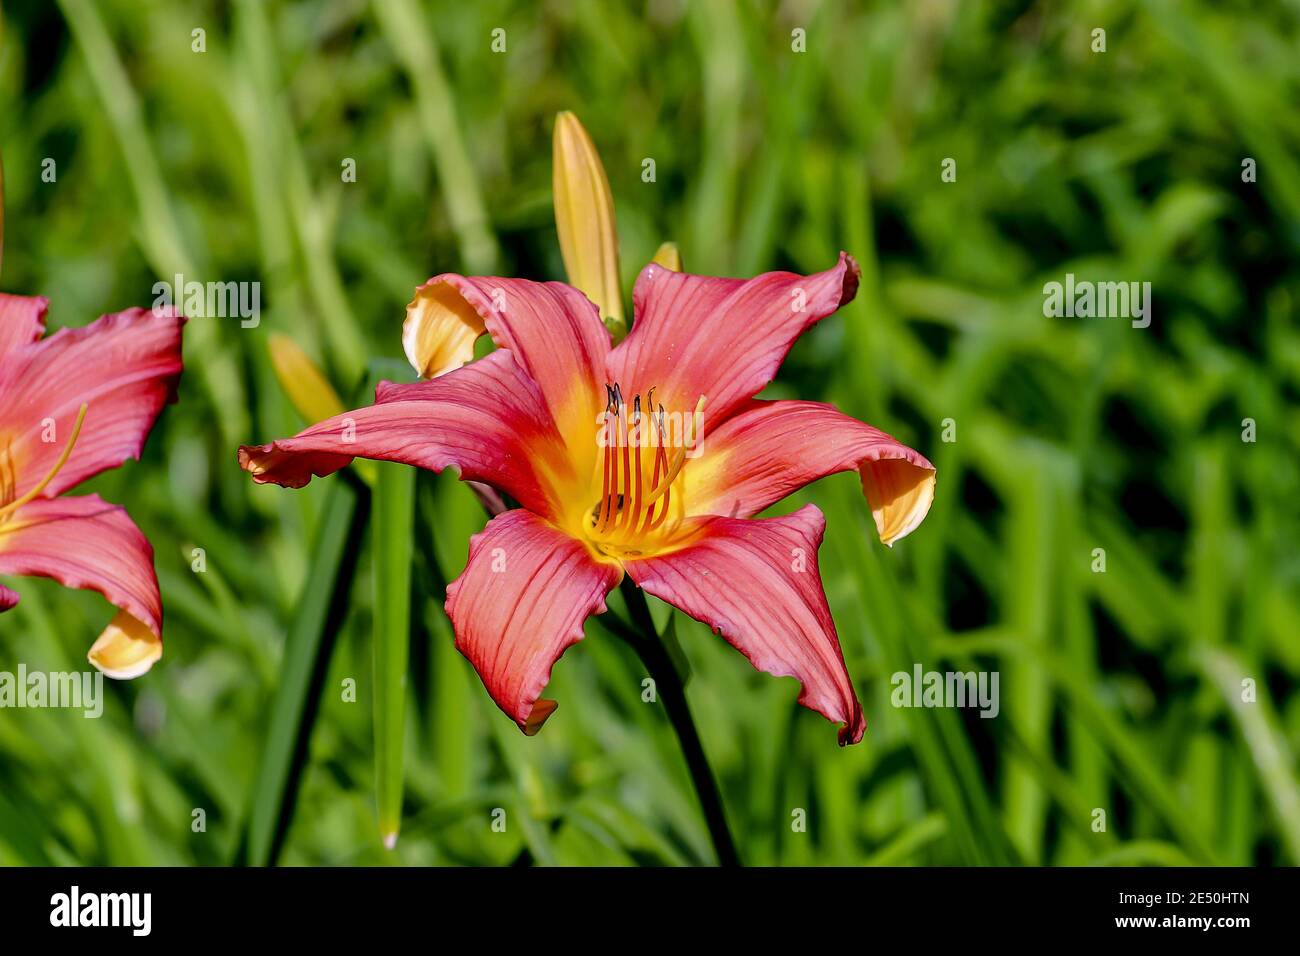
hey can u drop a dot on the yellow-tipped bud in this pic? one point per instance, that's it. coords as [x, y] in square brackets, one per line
[584, 220]
[303, 381]
[669, 257]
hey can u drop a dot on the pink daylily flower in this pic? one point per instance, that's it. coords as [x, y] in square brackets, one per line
[71, 406]
[578, 433]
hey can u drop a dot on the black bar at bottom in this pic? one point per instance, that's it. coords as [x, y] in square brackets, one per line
[332, 907]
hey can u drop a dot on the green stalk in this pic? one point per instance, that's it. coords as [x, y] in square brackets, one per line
[392, 527]
[285, 182]
[1266, 742]
[161, 239]
[644, 638]
[412, 38]
[317, 617]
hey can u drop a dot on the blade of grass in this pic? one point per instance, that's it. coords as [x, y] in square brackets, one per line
[1029, 592]
[411, 37]
[453, 739]
[392, 529]
[311, 211]
[161, 237]
[21, 831]
[112, 789]
[911, 840]
[1262, 732]
[320, 611]
[944, 751]
[716, 31]
[1139, 769]
[1145, 853]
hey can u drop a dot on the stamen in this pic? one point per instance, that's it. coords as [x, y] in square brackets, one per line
[665, 486]
[668, 500]
[661, 463]
[635, 514]
[661, 488]
[624, 512]
[611, 471]
[58, 465]
[630, 504]
[604, 485]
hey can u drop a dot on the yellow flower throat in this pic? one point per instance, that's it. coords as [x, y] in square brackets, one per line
[638, 470]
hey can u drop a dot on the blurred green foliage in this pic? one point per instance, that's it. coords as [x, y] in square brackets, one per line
[1120, 690]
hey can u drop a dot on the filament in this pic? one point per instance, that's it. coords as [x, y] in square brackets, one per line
[49, 476]
[636, 491]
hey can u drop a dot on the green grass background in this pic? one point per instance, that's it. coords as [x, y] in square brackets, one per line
[1120, 690]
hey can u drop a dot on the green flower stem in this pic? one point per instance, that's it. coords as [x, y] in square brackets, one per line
[644, 638]
[393, 544]
[320, 612]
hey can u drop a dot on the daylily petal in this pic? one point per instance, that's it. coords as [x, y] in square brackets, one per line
[520, 603]
[126, 649]
[756, 582]
[770, 449]
[22, 320]
[440, 329]
[554, 330]
[85, 542]
[487, 419]
[124, 367]
[722, 339]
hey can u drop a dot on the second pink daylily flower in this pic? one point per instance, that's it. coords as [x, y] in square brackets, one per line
[71, 406]
[570, 427]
